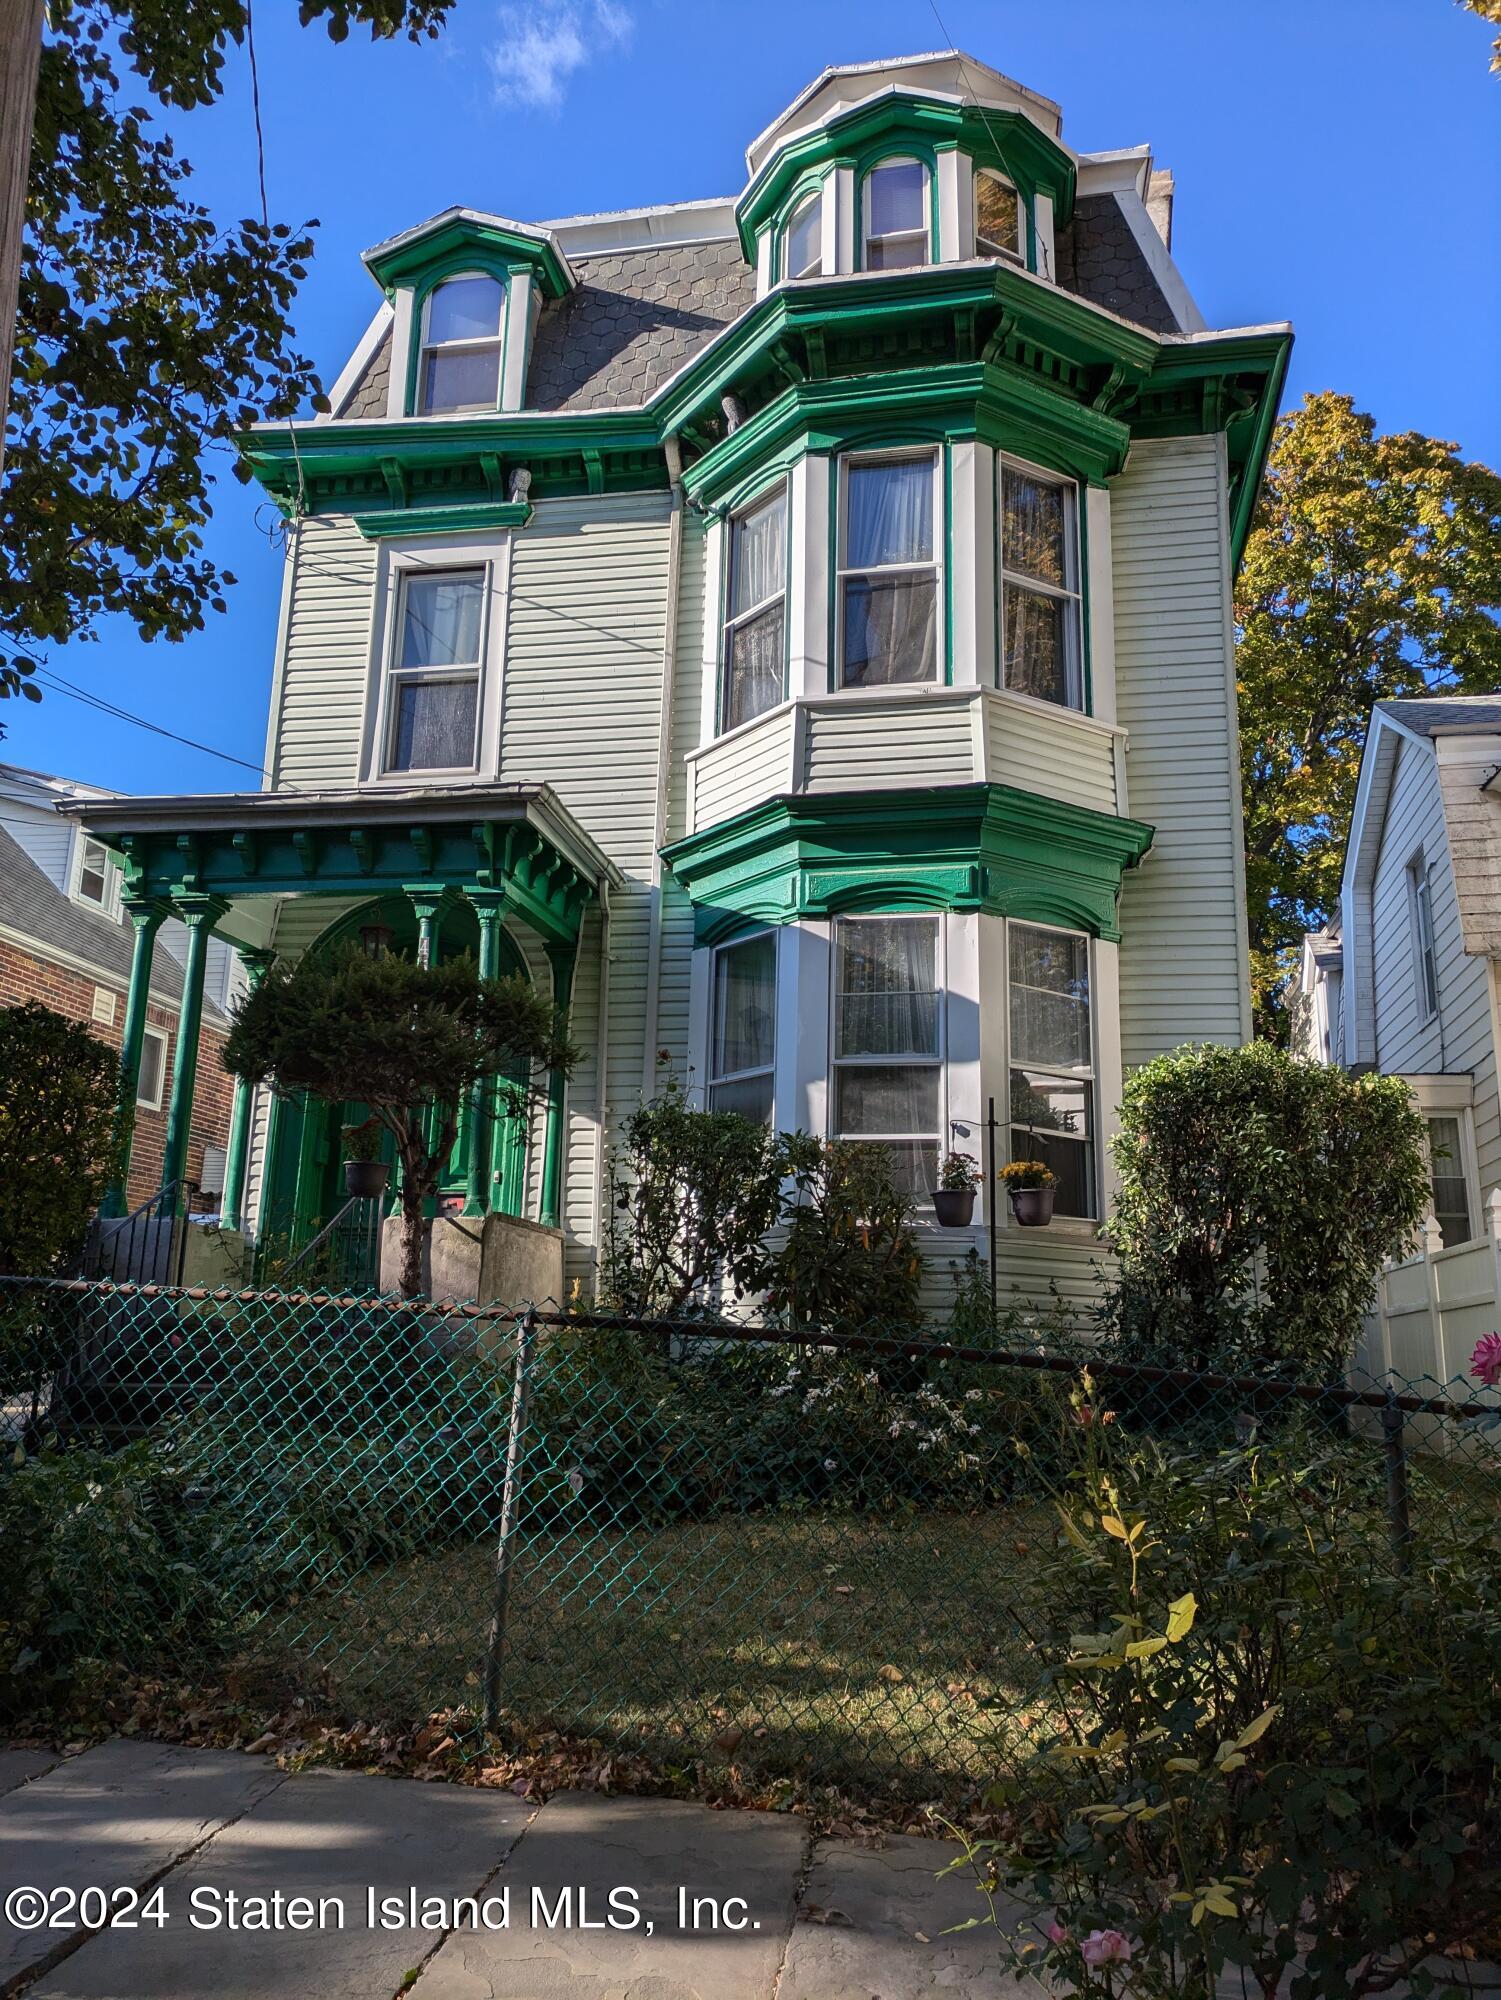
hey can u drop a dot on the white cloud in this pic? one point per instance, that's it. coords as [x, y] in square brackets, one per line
[540, 47]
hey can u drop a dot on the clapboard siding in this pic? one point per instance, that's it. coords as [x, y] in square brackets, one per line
[46, 839]
[326, 668]
[1050, 754]
[744, 770]
[851, 744]
[1183, 964]
[677, 911]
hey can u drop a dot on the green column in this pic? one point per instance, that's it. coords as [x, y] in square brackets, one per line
[237, 1155]
[561, 958]
[200, 914]
[488, 906]
[146, 915]
[427, 903]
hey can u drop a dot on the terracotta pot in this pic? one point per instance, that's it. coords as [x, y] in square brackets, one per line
[366, 1180]
[954, 1207]
[1032, 1207]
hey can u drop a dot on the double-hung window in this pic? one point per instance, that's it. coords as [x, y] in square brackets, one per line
[1424, 956]
[94, 885]
[1052, 1061]
[896, 215]
[1041, 650]
[888, 571]
[743, 1027]
[998, 218]
[1450, 1179]
[756, 602]
[459, 368]
[888, 1040]
[802, 239]
[433, 699]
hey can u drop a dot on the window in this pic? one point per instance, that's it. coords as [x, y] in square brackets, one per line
[94, 874]
[1052, 1061]
[888, 578]
[755, 628]
[896, 215]
[887, 1040]
[1451, 1181]
[435, 676]
[153, 1070]
[1041, 654]
[460, 364]
[998, 218]
[1422, 938]
[802, 239]
[744, 1027]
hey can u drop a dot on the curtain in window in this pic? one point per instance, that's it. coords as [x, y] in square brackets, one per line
[758, 565]
[745, 1002]
[753, 680]
[890, 512]
[434, 726]
[888, 987]
[1049, 998]
[802, 251]
[754, 649]
[1451, 1194]
[890, 622]
[441, 621]
[464, 309]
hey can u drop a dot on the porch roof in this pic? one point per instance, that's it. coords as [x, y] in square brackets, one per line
[517, 840]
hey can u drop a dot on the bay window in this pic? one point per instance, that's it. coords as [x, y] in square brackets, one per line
[998, 218]
[888, 1025]
[743, 1027]
[459, 366]
[888, 573]
[433, 697]
[756, 603]
[802, 239]
[1039, 558]
[895, 196]
[1052, 1061]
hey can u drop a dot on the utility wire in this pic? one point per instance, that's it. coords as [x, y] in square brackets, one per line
[62, 686]
[974, 98]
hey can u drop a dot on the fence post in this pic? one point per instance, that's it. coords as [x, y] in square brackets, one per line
[1398, 1513]
[526, 1334]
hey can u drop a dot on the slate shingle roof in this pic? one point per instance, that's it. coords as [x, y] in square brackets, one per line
[1473, 711]
[1099, 258]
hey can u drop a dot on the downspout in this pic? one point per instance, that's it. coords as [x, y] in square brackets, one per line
[652, 1041]
[602, 1082]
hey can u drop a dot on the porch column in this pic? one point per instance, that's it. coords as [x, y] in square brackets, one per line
[488, 905]
[146, 915]
[237, 1154]
[200, 914]
[562, 958]
[427, 903]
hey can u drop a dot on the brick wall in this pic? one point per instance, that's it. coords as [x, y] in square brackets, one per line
[23, 976]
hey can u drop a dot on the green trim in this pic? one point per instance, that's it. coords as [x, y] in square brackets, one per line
[946, 470]
[488, 514]
[486, 264]
[990, 848]
[815, 181]
[448, 242]
[879, 156]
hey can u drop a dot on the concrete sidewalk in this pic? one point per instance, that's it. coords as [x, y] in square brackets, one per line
[229, 1880]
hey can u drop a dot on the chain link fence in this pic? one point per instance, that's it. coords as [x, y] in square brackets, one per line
[811, 1556]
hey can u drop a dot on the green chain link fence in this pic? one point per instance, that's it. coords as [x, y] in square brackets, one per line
[813, 1556]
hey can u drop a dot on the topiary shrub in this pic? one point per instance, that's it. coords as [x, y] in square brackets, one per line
[1259, 1197]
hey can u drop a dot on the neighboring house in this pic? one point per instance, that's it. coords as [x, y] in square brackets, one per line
[65, 940]
[793, 629]
[1405, 982]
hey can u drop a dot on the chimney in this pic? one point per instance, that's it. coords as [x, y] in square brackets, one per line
[1160, 204]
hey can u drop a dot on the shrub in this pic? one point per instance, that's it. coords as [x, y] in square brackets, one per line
[847, 1255]
[1259, 1197]
[59, 1137]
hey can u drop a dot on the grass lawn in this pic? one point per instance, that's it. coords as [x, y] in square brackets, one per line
[849, 1648]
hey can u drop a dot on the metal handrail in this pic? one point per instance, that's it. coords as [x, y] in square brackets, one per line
[354, 1201]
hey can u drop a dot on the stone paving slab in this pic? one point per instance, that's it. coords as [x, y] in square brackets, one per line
[117, 1815]
[329, 1837]
[18, 1767]
[871, 1927]
[656, 1847]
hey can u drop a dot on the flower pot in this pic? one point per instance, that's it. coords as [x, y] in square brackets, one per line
[954, 1207]
[1032, 1207]
[366, 1179]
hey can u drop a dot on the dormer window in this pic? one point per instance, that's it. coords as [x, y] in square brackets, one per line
[94, 873]
[802, 239]
[461, 340]
[998, 217]
[896, 215]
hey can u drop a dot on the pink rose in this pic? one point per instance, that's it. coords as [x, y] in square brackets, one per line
[1056, 1933]
[1485, 1362]
[1106, 1948]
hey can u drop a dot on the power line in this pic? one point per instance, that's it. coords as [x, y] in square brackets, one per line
[67, 687]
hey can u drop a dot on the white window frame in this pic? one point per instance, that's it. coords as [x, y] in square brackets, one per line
[491, 554]
[733, 620]
[938, 1062]
[1465, 1166]
[867, 237]
[843, 574]
[476, 345]
[1424, 938]
[811, 198]
[982, 247]
[769, 1069]
[1090, 1076]
[144, 1103]
[1073, 624]
[109, 904]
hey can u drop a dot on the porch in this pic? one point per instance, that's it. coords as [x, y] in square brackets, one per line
[501, 872]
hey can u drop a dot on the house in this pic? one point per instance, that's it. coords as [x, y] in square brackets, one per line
[66, 940]
[794, 630]
[1404, 981]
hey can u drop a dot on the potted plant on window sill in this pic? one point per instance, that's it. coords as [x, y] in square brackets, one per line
[954, 1196]
[1031, 1187]
[365, 1172]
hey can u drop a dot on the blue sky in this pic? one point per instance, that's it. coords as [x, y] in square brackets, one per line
[1337, 162]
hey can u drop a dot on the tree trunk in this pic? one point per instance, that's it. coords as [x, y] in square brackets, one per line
[20, 51]
[412, 1199]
